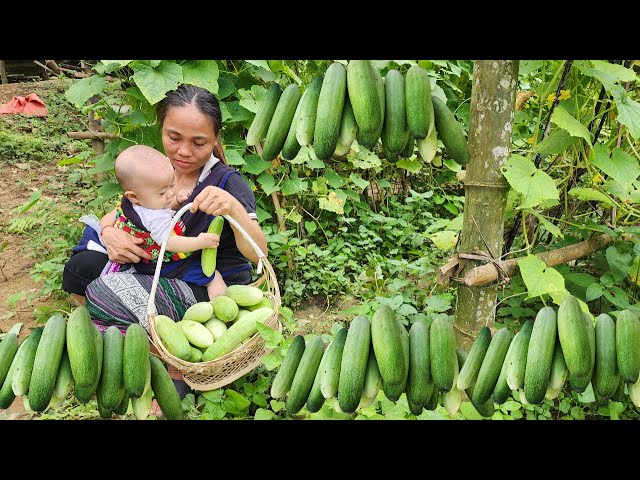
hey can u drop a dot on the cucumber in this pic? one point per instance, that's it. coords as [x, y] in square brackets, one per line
[85, 394]
[559, 371]
[142, 405]
[197, 334]
[434, 400]
[329, 113]
[574, 338]
[394, 130]
[452, 399]
[491, 366]
[7, 395]
[363, 96]
[580, 382]
[369, 138]
[605, 376]
[172, 337]
[282, 381]
[502, 390]
[540, 355]
[25, 357]
[209, 255]
[111, 387]
[442, 343]
[244, 295]
[165, 390]
[81, 347]
[348, 129]
[419, 382]
[409, 147]
[281, 122]
[414, 408]
[372, 378]
[47, 362]
[260, 123]
[241, 330]
[316, 398]
[386, 339]
[353, 366]
[471, 367]
[628, 346]
[518, 361]
[64, 379]
[291, 145]
[196, 354]
[8, 349]
[123, 406]
[330, 371]
[428, 146]
[450, 131]
[136, 360]
[393, 391]
[308, 110]
[418, 101]
[305, 375]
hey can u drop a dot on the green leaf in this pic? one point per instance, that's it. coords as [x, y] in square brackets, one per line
[311, 227]
[469, 411]
[313, 162]
[607, 73]
[536, 186]
[332, 203]
[259, 63]
[294, 185]
[319, 186]
[226, 86]
[364, 159]
[445, 239]
[410, 165]
[275, 65]
[586, 194]
[263, 414]
[154, 83]
[547, 225]
[268, 183]
[619, 263]
[255, 165]
[628, 111]
[438, 303]
[234, 157]
[539, 278]
[250, 99]
[271, 336]
[276, 405]
[201, 73]
[557, 142]
[587, 396]
[529, 66]
[238, 113]
[82, 90]
[358, 181]
[33, 199]
[511, 406]
[271, 361]
[615, 409]
[213, 395]
[622, 167]
[594, 291]
[333, 179]
[617, 296]
[564, 120]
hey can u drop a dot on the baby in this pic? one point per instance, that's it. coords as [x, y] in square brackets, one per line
[147, 178]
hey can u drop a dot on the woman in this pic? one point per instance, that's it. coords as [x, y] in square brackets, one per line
[191, 122]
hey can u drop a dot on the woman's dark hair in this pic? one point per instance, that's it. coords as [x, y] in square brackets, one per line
[205, 101]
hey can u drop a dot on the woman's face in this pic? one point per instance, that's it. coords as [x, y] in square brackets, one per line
[188, 138]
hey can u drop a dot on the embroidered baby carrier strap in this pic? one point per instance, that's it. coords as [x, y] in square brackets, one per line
[128, 220]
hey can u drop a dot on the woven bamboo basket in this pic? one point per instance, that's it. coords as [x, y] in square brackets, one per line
[205, 376]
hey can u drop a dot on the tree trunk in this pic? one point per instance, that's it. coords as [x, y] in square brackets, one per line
[490, 125]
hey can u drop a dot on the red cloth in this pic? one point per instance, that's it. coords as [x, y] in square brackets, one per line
[29, 105]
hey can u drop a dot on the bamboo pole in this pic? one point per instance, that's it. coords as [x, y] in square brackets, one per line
[490, 125]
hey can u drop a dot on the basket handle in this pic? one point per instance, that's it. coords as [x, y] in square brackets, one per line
[151, 306]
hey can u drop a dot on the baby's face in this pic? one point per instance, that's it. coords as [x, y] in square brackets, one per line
[157, 192]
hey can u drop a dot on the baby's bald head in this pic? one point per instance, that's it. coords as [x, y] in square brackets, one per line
[139, 164]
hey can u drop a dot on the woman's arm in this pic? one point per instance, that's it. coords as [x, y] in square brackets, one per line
[121, 247]
[215, 201]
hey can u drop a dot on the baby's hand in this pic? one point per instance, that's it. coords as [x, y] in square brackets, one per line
[182, 195]
[209, 240]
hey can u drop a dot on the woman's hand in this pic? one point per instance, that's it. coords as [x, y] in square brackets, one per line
[214, 201]
[122, 247]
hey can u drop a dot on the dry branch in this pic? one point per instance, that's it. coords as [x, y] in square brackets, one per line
[488, 273]
[92, 135]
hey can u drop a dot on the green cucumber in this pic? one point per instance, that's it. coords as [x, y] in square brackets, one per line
[372, 378]
[369, 138]
[419, 381]
[8, 349]
[142, 405]
[442, 343]
[418, 101]
[135, 360]
[281, 122]
[209, 255]
[518, 361]
[353, 366]
[363, 95]
[64, 379]
[172, 337]
[305, 375]
[471, 367]
[47, 362]
[559, 371]
[282, 381]
[393, 391]
[260, 123]
[308, 110]
[329, 113]
[25, 357]
[628, 346]
[316, 398]
[81, 347]
[291, 145]
[502, 390]
[7, 395]
[540, 355]
[85, 394]
[394, 130]
[574, 338]
[348, 129]
[450, 131]
[165, 390]
[491, 365]
[605, 375]
[386, 339]
[330, 371]
[111, 387]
